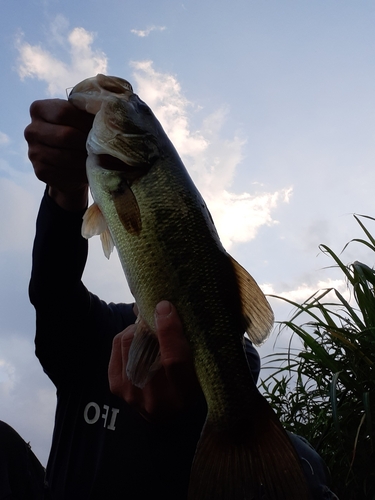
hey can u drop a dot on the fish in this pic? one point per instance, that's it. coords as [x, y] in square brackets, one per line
[147, 206]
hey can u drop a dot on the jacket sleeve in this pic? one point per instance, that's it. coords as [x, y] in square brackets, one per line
[58, 259]
[73, 326]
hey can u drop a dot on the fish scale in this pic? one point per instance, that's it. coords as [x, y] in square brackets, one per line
[169, 250]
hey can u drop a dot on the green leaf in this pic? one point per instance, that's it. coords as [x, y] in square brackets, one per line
[333, 399]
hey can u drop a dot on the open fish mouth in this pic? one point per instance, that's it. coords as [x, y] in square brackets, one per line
[109, 162]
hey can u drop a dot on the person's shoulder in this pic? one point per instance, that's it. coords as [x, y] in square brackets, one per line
[315, 469]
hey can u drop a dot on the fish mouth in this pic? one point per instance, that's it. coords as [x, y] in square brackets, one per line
[109, 162]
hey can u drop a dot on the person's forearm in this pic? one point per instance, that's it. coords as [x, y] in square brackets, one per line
[59, 256]
[71, 201]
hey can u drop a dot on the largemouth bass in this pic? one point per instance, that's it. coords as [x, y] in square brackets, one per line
[148, 207]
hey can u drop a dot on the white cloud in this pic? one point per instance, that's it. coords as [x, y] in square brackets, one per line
[25, 390]
[210, 159]
[7, 371]
[162, 92]
[36, 62]
[4, 139]
[58, 30]
[16, 193]
[239, 216]
[305, 291]
[147, 31]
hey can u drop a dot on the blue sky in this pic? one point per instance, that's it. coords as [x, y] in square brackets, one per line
[269, 103]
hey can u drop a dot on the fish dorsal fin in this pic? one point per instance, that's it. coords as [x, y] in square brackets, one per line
[94, 223]
[144, 355]
[127, 209]
[256, 311]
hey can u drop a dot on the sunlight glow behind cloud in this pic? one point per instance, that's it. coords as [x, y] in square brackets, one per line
[240, 216]
[210, 160]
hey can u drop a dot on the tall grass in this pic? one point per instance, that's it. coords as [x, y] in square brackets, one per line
[326, 391]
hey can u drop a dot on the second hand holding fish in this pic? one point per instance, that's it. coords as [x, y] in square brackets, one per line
[175, 387]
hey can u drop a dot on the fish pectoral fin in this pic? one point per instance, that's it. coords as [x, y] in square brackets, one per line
[93, 224]
[252, 459]
[257, 313]
[143, 356]
[127, 209]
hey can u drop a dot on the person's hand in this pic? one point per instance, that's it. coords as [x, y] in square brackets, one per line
[174, 388]
[57, 149]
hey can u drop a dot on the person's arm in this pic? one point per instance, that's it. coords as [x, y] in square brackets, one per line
[70, 321]
[59, 257]
[56, 138]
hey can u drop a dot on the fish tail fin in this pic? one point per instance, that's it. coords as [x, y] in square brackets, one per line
[254, 461]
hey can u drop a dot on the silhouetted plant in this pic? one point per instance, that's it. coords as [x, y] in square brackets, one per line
[326, 391]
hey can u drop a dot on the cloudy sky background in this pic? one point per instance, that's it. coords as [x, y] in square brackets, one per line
[269, 103]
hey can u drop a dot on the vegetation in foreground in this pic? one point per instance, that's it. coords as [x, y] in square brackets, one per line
[326, 391]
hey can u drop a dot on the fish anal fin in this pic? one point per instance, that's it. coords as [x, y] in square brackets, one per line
[255, 461]
[127, 209]
[93, 224]
[143, 356]
[257, 313]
